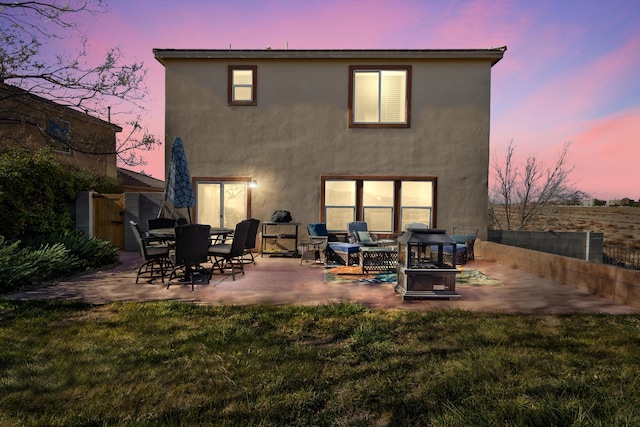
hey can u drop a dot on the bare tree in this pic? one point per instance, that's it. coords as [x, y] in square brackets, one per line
[28, 60]
[521, 197]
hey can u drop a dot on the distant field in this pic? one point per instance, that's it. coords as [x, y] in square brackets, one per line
[620, 225]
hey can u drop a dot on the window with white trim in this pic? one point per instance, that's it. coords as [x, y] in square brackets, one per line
[379, 96]
[377, 205]
[416, 202]
[339, 203]
[222, 202]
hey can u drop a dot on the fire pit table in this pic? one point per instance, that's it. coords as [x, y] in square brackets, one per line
[421, 275]
[374, 258]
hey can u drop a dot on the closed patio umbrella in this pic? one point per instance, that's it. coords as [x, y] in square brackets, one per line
[178, 189]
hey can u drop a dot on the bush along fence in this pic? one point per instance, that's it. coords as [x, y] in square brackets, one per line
[50, 258]
[622, 257]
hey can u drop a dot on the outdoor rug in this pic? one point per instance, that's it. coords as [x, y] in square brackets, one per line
[353, 274]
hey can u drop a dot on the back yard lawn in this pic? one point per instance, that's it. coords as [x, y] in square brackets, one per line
[169, 363]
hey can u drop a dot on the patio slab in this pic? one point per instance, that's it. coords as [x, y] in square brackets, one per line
[281, 280]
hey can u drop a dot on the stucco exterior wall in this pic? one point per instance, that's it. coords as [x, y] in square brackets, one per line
[299, 131]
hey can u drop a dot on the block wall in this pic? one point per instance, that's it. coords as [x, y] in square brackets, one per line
[617, 284]
[571, 244]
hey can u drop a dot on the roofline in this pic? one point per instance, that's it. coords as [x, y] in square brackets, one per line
[18, 91]
[493, 54]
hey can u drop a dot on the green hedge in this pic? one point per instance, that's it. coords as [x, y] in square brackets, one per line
[37, 240]
[36, 191]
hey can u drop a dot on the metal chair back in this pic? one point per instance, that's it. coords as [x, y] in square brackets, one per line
[192, 244]
[252, 233]
[138, 236]
[155, 223]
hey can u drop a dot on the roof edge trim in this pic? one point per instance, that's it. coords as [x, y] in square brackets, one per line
[493, 54]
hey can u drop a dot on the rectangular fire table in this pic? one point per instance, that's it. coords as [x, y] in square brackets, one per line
[420, 275]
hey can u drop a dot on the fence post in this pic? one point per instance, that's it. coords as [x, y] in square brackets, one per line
[588, 246]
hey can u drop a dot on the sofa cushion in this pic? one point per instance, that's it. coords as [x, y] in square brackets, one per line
[363, 237]
[344, 247]
[448, 249]
[317, 229]
[461, 239]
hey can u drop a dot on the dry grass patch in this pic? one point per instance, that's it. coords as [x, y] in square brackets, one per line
[620, 225]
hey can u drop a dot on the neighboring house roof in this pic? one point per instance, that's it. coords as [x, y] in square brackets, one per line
[14, 91]
[136, 182]
[31, 121]
[495, 54]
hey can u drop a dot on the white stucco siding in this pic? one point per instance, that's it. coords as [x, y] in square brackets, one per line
[299, 131]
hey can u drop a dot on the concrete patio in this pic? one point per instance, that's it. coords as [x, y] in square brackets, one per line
[280, 280]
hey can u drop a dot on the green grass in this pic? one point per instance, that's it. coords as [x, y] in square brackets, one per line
[170, 363]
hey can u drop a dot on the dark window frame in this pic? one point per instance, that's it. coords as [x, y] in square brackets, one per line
[59, 131]
[254, 85]
[353, 69]
[397, 207]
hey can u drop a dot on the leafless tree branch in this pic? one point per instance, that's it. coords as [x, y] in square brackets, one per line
[520, 198]
[68, 78]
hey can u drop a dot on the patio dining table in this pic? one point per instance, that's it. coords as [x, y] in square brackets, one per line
[219, 233]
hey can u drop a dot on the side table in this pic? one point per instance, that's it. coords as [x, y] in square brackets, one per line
[311, 251]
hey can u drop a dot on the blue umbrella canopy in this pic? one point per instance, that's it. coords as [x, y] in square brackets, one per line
[178, 189]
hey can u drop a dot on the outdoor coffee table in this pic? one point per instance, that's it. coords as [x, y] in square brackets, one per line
[377, 259]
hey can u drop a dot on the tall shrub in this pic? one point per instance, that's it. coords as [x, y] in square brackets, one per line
[34, 194]
[36, 191]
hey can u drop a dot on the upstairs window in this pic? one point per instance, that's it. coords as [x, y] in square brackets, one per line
[380, 96]
[242, 84]
[59, 133]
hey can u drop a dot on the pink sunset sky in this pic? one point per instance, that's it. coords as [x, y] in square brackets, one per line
[570, 73]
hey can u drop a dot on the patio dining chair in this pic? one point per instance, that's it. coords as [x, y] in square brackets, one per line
[155, 256]
[250, 243]
[155, 223]
[158, 223]
[229, 255]
[191, 251]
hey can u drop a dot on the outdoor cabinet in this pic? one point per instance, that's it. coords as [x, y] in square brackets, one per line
[420, 275]
[280, 238]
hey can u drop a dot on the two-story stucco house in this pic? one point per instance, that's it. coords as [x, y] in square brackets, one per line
[390, 137]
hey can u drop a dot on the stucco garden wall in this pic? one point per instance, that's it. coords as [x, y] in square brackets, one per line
[581, 245]
[607, 281]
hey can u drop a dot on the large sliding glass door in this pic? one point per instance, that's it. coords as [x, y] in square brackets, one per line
[221, 203]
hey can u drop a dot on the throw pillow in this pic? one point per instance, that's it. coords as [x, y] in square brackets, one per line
[364, 237]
